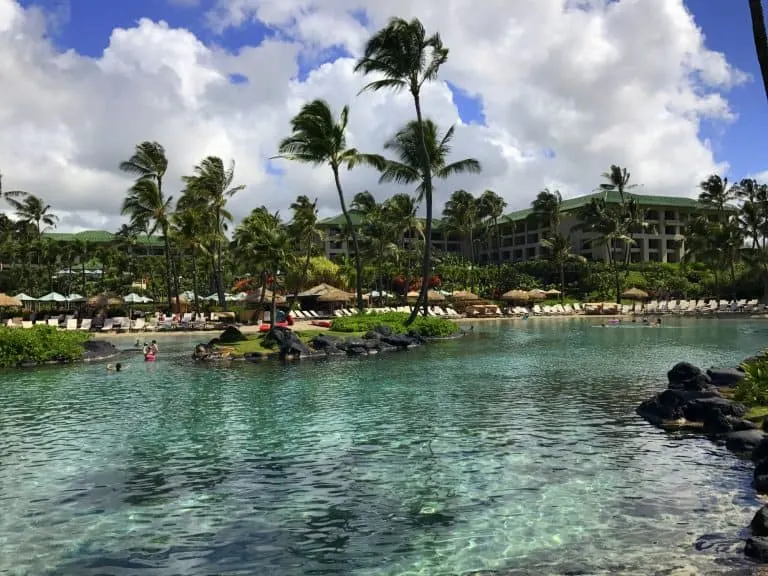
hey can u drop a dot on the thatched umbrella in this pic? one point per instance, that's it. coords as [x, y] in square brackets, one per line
[516, 296]
[464, 295]
[537, 294]
[552, 292]
[9, 301]
[432, 296]
[634, 294]
[318, 290]
[104, 300]
[335, 296]
[255, 297]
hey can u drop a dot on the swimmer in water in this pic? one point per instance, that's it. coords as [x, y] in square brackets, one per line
[115, 368]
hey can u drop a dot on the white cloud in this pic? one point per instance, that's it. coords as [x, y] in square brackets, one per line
[566, 92]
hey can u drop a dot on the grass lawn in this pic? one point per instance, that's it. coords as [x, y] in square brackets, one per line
[255, 342]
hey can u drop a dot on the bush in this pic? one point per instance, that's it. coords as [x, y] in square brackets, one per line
[39, 344]
[753, 389]
[428, 327]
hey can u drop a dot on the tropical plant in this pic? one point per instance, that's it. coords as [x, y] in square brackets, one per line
[560, 250]
[146, 203]
[208, 190]
[318, 138]
[491, 208]
[407, 58]
[32, 209]
[303, 228]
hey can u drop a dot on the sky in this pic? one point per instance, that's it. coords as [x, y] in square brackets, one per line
[544, 93]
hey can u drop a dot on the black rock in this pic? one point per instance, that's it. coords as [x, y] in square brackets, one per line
[288, 343]
[202, 351]
[97, 349]
[717, 424]
[703, 409]
[383, 330]
[761, 476]
[759, 522]
[726, 377]
[372, 335]
[757, 548]
[231, 335]
[743, 441]
[400, 340]
[323, 342]
[686, 376]
[765, 426]
[213, 341]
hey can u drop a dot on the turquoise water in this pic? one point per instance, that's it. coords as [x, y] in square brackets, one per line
[514, 451]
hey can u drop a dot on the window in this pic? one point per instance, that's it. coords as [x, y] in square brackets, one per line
[532, 238]
[654, 244]
[520, 239]
[652, 215]
[670, 230]
[670, 215]
[506, 255]
[673, 244]
[518, 254]
[586, 245]
[530, 253]
[506, 242]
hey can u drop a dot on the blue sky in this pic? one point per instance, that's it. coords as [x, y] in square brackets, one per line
[85, 25]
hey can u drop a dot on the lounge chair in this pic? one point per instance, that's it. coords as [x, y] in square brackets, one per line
[109, 324]
[27, 324]
[139, 324]
[53, 322]
[71, 324]
[85, 324]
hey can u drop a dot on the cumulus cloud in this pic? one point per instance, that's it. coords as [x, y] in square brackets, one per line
[567, 88]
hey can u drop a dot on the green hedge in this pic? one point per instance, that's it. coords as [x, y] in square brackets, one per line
[753, 389]
[429, 327]
[39, 344]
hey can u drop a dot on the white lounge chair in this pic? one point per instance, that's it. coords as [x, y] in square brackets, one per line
[109, 324]
[27, 324]
[85, 324]
[53, 322]
[72, 324]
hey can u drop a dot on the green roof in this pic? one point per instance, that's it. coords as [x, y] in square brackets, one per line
[613, 197]
[98, 237]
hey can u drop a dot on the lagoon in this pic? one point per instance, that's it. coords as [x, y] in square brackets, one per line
[512, 451]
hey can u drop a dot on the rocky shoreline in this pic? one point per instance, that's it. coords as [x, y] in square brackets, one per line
[694, 400]
[93, 351]
[290, 347]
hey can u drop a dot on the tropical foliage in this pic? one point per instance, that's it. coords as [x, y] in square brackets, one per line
[40, 344]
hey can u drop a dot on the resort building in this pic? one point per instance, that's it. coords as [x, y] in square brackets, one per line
[521, 234]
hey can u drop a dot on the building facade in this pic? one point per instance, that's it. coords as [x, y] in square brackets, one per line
[521, 233]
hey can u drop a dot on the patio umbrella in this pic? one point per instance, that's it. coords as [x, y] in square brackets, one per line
[552, 292]
[9, 301]
[53, 297]
[104, 300]
[537, 294]
[74, 297]
[516, 296]
[133, 298]
[25, 297]
[634, 294]
[432, 296]
[335, 295]
[464, 295]
[255, 297]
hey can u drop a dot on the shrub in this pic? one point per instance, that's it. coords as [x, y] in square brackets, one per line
[39, 344]
[428, 327]
[753, 389]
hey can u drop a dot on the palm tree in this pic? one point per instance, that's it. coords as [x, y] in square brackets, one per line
[760, 39]
[303, 228]
[547, 208]
[409, 168]
[376, 231]
[318, 138]
[400, 209]
[210, 187]
[189, 226]
[407, 58]
[32, 209]
[460, 214]
[264, 237]
[561, 251]
[724, 235]
[491, 208]
[146, 203]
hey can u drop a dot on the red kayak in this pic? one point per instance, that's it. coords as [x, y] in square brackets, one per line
[149, 357]
[265, 327]
[322, 323]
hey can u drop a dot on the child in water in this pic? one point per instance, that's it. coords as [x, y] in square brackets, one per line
[114, 368]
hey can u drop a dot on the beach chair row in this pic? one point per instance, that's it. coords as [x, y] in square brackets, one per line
[554, 310]
[706, 306]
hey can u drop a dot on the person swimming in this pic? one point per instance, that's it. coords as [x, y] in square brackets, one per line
[115, 368]
[153, 349]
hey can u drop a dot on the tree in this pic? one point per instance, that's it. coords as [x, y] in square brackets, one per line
[408, 168]
[547, 209]
[146, 203]
[303, 228]
[209, 189]
[407, 58]
[264, 237]
[760, 39]
[318, 138]
[189, 227]
[724, 235]
[561, 251]
[32, 209]
[460, 214]
[400, 209]
[491, 208]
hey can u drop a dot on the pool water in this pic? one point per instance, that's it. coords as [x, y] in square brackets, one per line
[513, 451]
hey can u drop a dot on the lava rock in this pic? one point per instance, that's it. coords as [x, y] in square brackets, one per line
[761, 477]
[401, 341]
[371, 335]
[383, 330]
[725, 377]
[686, 376]
[202, 351]
[98, 349]
[761, 451]
[759, 522]
[323, 342]
[757, 548]
[231, 335]
[702, 409]
[289, 344]
[717, 424]
[744, 440]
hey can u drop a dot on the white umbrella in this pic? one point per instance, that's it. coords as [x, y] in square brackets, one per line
[146, 299]
[239, 297]
[74, 297]
[133, 298]
[53, 297]
[25, 297]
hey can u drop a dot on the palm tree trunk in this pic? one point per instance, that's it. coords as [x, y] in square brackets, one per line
[167, 249]
[562, 281]
[733, 278]
[760, 39]
[273, 307]
[194, 279]
[174, 264]
[427, 264]
[305, 271]
[218, 271]
[263, 295]
[498, 242]
[353, 234]
[471, 261]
